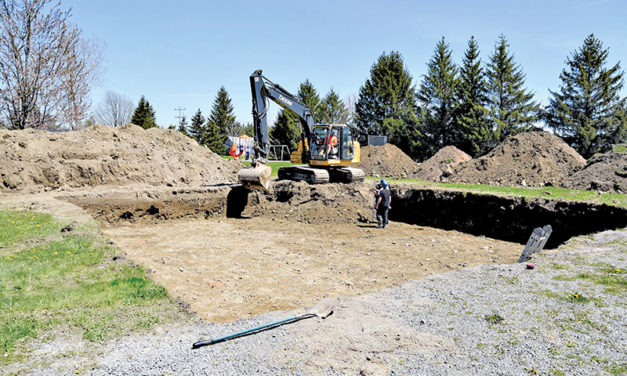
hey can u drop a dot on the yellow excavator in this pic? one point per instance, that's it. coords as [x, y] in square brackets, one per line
[325, 151]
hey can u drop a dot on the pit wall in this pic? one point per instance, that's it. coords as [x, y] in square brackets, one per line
[152, 205]
[505, 218]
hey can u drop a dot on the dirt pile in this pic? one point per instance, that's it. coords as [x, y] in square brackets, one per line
[441, 164]
[34, 159]
[604, 172]
[390, 162]
[303, 202]
[529, 159]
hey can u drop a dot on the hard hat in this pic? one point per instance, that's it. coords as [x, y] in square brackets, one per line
[384, 183]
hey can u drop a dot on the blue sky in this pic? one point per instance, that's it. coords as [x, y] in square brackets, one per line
[179, 53]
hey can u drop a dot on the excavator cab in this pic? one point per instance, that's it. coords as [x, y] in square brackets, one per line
[332, 143]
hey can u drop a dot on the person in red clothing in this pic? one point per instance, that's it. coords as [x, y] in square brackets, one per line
[332, 145]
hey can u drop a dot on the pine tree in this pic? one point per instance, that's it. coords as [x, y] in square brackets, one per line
[214, 138]
[437, 98]
[332, 110]
[182, 127]
[308, 95]
[248, 129]
[198, 128]
[386, 104]
[144, 115]
[222, 115]
[471, 115]
[587, 111]
[512, 109]
[286, 130]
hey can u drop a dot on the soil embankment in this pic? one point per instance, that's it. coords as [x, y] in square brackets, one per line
[34, 160]
[388, 160]
[441, 164]
[534, 159]
[604, 172]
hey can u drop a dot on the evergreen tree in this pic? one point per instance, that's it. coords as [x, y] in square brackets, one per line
[512, 109]
[198, 129]
[308, 95]
[471, 116]
[587, 111]
[332, 110]
[144, 115]
[214, 138]
[286, 130]
[223, 117]
[437, 98]
[386, 104]
[248, 129]
[182, 127]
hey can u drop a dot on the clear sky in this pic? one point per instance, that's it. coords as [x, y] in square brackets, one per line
[179, 53]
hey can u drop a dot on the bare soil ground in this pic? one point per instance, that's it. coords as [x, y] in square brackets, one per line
[534, 159]
[440, 165]
[604, 172]
[232, 268]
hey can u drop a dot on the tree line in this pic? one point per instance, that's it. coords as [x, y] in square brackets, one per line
[475, 106]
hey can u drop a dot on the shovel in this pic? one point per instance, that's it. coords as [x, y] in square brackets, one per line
[323, 310]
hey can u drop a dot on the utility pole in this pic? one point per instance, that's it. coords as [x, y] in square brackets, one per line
[180, 111]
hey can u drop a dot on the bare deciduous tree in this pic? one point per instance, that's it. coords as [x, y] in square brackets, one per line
[115, 110]
[46, 67]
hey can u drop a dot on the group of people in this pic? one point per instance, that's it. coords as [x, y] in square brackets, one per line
[383, 201]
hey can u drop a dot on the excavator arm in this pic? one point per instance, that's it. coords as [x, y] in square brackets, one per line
[263, 89]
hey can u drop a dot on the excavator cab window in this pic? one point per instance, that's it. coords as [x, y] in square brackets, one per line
[319, 143]
[347, 144]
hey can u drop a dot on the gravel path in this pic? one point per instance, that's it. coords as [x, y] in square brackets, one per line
[566, 317]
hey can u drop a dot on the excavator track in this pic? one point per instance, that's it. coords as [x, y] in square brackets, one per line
[346, 175]
[313, 175]
[309, 174]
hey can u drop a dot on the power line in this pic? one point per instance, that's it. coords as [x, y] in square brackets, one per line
[180, 111]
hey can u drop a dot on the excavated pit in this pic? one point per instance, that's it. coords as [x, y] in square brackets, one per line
[230, 253]
[506, 218]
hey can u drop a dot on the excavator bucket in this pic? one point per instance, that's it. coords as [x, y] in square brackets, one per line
[257, 177]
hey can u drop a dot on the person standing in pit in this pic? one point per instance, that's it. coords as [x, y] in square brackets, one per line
[383, 205]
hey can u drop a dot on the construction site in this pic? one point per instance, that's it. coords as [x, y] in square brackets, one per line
[231, 254]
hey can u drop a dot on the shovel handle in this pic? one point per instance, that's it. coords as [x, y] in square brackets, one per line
[206, 342]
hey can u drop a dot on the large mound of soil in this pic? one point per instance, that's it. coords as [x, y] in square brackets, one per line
[35, 159]
[605, 172]
[529, 159]
[390, 162]
[441, 164]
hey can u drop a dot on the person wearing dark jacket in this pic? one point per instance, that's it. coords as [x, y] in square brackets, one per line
[384, 200]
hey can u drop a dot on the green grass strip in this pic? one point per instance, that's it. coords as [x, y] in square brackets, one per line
[71, 281]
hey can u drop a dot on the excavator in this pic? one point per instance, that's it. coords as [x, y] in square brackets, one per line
[325, 151]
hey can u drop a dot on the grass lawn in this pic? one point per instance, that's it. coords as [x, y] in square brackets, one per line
[610, 198]
[53, 282]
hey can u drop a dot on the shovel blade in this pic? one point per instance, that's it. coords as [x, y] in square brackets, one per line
[324, 308]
